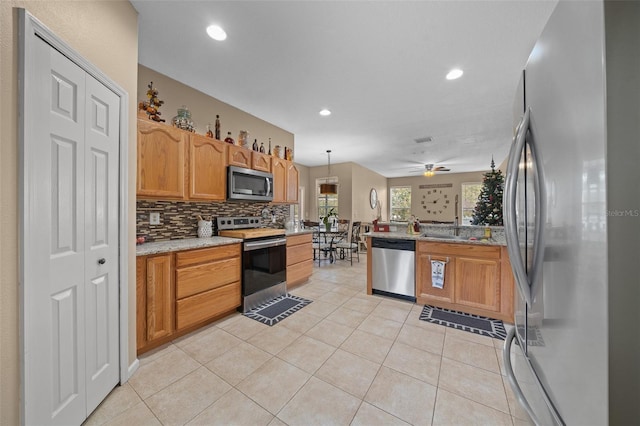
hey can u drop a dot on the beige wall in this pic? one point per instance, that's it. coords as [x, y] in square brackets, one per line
[105, 33]
[204, 109]
[343, 172]
[354, 184]
[363, 180]
[456, 179]
[304, 184]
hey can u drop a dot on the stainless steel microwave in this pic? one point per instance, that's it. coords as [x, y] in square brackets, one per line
[247, 184]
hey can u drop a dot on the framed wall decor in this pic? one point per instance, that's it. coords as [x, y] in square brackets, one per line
[373, 198]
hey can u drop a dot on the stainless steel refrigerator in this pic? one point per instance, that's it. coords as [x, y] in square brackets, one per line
[572, 219]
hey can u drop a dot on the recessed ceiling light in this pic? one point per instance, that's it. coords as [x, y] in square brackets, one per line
[325, 112]
[216, 33]
[454, 73]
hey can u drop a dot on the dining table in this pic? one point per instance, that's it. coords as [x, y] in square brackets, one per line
[332, 237]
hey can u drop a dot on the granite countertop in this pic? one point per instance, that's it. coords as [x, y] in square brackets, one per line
[436, 238]
[184, 244]
[194, 243]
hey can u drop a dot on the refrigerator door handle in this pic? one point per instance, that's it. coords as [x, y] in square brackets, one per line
[540, 219]
[509, 210]
[508, 368]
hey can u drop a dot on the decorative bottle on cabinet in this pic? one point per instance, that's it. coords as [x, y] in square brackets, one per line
[209, 132]
[269, 147]
[262, 147]
[255, 144]
[242, 138]
[218, 127]
[229, 139]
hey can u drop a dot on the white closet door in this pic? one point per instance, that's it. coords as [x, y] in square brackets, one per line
[101, 241]
[71, 300]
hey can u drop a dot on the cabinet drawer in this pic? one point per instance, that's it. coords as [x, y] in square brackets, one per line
[198, 308]
[299, 273]
[193, 257]
[199, 278]
[299, 253]
[293, 240]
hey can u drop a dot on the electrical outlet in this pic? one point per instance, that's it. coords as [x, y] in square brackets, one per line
[154, 218]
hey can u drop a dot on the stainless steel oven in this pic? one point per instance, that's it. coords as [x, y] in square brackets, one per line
[264, 259]
[264, 270]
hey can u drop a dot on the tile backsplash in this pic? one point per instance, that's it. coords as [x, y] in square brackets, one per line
[179, 219]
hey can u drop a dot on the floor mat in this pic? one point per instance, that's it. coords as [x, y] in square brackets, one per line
[462, 321]
[275, 310]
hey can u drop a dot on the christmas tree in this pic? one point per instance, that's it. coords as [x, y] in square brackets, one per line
[488, 209]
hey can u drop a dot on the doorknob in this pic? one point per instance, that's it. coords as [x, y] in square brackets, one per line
[102, 261]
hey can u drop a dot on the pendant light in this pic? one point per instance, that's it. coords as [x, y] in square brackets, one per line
[328, 188]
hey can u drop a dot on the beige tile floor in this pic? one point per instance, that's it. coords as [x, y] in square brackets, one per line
[345, 359]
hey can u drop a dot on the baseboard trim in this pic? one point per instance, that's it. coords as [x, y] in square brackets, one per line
[133, 368]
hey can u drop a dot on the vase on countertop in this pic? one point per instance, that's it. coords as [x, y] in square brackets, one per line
[205, 228]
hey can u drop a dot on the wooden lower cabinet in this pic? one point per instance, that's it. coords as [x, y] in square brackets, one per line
[207, 283]
[179, 292]
[154, 304]
[299, 259]
[477, 279]
[478, 283]
[200, 307]
[423, 276]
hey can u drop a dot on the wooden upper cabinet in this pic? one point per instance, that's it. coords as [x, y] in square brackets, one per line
[293, 181]
[161, 161]
[279, 170]
[260, 162]
[285, 181]
[238, 156]
[207, 168]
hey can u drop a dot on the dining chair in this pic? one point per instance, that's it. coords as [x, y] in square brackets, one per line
[351, 245]
[339, 234]
[318, 242]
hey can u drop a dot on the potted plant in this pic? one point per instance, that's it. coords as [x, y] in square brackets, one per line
[327, 219]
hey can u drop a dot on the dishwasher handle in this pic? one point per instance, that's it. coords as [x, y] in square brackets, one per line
[393, 244]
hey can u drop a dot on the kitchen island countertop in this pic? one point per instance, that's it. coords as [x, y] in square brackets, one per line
[435, 238]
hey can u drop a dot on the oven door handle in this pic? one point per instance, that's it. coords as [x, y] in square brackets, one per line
[257, 245]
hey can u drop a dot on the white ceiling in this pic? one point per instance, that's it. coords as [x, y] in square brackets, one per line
[379, 66]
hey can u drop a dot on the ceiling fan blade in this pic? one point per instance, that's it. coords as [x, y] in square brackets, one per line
[441, 169]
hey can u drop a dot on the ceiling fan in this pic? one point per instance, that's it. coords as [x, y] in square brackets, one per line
[431, 169]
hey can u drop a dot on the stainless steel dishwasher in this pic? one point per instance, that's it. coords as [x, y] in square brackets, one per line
[393, 268]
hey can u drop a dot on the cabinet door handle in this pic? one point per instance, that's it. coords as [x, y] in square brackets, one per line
[102, 261]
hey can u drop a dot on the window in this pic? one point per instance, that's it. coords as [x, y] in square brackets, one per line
[400, 203]
[326, 202]
[470, 193]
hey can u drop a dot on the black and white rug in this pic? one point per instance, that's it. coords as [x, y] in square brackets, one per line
[462, 321]
[275, 310]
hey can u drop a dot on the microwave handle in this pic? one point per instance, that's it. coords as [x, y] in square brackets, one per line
[268, 185]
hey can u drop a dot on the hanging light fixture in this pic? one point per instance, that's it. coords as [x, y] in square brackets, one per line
[328, 188]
